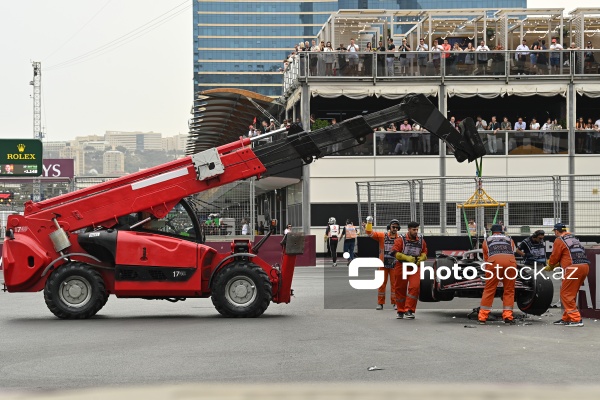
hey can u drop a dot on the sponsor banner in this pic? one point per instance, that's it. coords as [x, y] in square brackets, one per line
[58, 168]
[53, 169]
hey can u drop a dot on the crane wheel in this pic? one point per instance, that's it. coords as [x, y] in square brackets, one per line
[241, 290]
[75, 291]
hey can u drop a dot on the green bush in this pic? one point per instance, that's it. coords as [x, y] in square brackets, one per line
[318, 124]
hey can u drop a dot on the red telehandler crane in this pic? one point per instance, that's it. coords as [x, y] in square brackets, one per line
[83, 246]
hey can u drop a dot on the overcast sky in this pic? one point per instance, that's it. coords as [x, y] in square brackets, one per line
[106, 65]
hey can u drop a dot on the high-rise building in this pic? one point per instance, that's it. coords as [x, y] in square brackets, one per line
[76, 153]
[177, 142]
[113, 163]
[134, 141]
[242, 44]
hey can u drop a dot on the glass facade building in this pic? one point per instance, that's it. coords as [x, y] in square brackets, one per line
[242, 44]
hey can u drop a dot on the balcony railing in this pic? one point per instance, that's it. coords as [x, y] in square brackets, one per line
[502, 143]
[506, 64]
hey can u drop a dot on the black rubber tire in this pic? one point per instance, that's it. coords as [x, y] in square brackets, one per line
[538, 301]
[444, 295]
[95, 299]
[243, 271]
[426, 291]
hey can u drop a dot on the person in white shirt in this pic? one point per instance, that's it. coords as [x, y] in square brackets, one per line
[536, 136]
[521, 57]
[520, 127]
[288, 229]
[482, 58]
[480, 124]
[244, 227]
[555, 56]
[547, 128]
[437, 47]
[353, 57]
[422, 58]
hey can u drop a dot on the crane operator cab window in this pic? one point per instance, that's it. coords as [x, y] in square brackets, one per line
[176, 223]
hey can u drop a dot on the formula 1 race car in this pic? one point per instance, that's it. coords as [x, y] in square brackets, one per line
[533, 291]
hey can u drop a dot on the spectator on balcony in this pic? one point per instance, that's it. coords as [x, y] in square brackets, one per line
[342, 64]
[353, 57]
[405, 134]
[469, 58]
[521, 57]
[251, 131]
[581, 137]
[542, 59]
[368, 60]
[422, 58]
[506, 125]
[394, 145]
[595, 145]
[491, 135]
[480, 123]
[329, 59]
[264, 128]
[415, 138]
[425, 139]
[588, 57]
[498, 64]
[437, 49]
[555, 56]
[390, 57]
[482, 57]
[520, 127]
[556, 127]
[380, 59]
[454, 123]
[547, 128]
[404, 59]
[313, 62]
[533, 57]
[454, 58]
[535, 134]
[446, 55]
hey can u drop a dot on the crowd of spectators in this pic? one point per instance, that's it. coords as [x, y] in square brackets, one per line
[463, 57]
[524, 136]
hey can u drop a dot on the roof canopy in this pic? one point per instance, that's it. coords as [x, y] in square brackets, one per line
[223, 115]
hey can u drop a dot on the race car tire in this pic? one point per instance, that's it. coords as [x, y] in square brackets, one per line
[538, 301]
[426, 292]
[445, 295]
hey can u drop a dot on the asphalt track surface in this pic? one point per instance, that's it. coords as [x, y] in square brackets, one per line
[137, 343]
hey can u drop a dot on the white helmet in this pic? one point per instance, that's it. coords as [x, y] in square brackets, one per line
[331, 221]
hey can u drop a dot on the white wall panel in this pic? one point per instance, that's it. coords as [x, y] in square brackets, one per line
[587, 165]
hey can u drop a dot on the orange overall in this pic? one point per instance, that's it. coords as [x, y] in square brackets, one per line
[569, 253]
[408, 288]
[386, 241]
[498, 250]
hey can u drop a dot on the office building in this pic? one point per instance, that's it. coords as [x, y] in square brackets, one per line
[242, 44]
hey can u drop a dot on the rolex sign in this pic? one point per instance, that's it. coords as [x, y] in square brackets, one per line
[20, 157]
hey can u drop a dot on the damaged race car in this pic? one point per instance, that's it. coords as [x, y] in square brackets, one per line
[533, 291]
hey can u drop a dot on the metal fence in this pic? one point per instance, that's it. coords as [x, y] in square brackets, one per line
[446, 206]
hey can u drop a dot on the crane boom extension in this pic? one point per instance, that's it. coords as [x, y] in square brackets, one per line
[466, 143]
